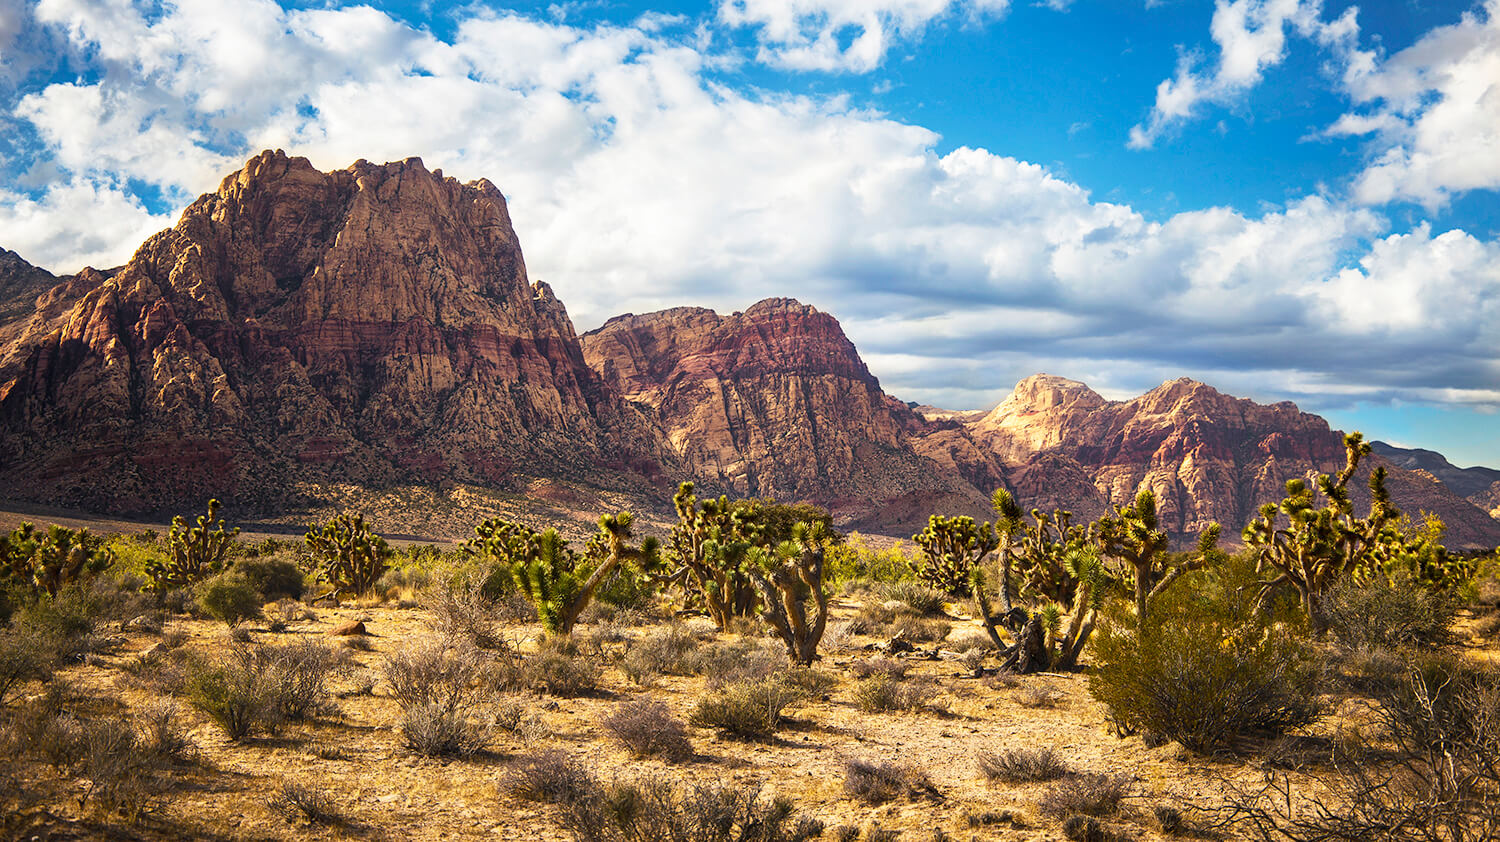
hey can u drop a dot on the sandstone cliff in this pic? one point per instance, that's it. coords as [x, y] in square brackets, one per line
[772, 402]
[366, 325]
[1207, 456]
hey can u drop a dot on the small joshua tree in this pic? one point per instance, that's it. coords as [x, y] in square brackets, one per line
[350, 556]
[795, 577]
[952, 548]
[1132, 536]
[197, 552]
[1055, 565]
[1322, 544]
[558, 581]
[712, 543]
[45, 561]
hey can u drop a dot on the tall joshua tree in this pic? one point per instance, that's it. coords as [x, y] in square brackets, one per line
[1133, 536]
[1321, 544]
[789, 578]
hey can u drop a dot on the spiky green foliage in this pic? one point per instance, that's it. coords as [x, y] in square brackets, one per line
[349, 555]
[952, 547]
[45, 561]
[1051, 565]
[196, 552]
[1322, 544]
[558, 581]
[792, 577]
[1133, 536]
[712, 547]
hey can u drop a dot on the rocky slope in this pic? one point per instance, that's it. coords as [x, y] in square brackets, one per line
[365, 325]
[1479, 485]
[1207, 456]
[772, 402]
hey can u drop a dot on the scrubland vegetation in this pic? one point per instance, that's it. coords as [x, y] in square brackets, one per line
[753, 675]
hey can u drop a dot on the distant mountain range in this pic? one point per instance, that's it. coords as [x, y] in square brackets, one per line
[302, 340]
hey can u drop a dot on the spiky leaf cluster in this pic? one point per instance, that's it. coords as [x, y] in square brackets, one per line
[1320, 544]
[350, 556]
[195, 553]
[789, 578]
[45, 561]
[1133, 536]
[712, 546]
[952, 547]
[558, 581]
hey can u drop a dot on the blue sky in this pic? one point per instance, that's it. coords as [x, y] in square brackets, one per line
[1284, 198]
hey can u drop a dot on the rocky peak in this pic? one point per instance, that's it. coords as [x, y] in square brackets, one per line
[772, 401]
[366, 324]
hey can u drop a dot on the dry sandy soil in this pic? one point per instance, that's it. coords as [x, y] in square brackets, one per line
[354, 754]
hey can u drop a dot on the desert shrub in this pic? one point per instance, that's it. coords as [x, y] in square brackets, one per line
[123, 774]
[736, 661]
[296, 677]
[1427, 771]
[63, 623]
[1366, 668]
[1021, 765]
[161, 733]
[1036, 695]
[1089, 793]
[811, 682]
[228, 597]
[890, 667]
[664, 651]
[748, 709]
[626, 589]
[232, 689]
[876, 783]
[918, 596]
[295, 801]
[437, 731]
[273, 578]
[24, 656]
[652, 807]
[462, 612]
[557, 669]
[1192, 679]
[648, 728]
[435, 673]
[919, 629]
[1381, 611]
[881, 693]
[550, 777]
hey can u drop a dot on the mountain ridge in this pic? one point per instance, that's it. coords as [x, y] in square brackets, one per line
[300, 339]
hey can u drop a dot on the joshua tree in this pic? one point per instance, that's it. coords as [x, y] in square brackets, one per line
[196, 552]
[712, 542]
[794, 578]
[1132, 536]
[952, 548]
[1321, 544]
[1057, 566]
[46, 561]
[351, 557]
[559, 582]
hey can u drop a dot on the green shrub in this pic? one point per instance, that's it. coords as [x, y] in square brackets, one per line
[232, 689]
[1204, 684]
[856, 560]
[228, 597]
[273, 578]
[1381, 611]
[920, 597]
[749, 709]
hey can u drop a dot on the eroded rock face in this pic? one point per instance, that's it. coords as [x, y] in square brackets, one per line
[363, 325]
[771, 402]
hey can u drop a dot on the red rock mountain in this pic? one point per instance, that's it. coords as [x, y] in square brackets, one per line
[772, 402]
[365, 325]
[301, 338]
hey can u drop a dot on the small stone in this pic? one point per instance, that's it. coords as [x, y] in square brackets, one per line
[353, 627]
